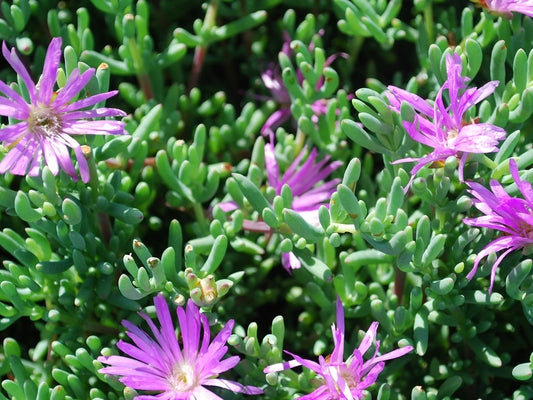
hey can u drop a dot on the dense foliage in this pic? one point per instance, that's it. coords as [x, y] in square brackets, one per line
[274, 156]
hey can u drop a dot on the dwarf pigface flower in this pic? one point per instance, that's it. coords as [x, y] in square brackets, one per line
[48, 121]
[444, 128]
[308, 187]
[340, 379]
[306, 177]
[507, 7]
[172, 369]
[510, 215]
[273, 81]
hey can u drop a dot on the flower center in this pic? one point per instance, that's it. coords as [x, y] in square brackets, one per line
[526, 229]
[44, 121]
[346, 374]
[452, 136]
[183, 377]
[341, 371]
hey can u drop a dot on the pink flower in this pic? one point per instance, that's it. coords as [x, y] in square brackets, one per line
[273, 81]
[176, 371]
[444, 128]
[507, 7]
[344, 380]
[510, 215]
[48, 120]
[308, 186]
[307, 191]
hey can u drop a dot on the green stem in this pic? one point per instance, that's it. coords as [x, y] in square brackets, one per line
[93, 173]
[355, 46]
[200, 217]
[485, 18]
[140, 71]
[103, 221]
[428, 19]
[441, 217]
[487, 162]
[300, 140]
[458, 315]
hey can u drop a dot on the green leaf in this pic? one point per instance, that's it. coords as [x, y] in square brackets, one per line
[170, 178]
[523, 372]
[350, 203]
[126, 214]
[216, 255]
[24, 209]
[243, 24]
[474, 54]
[421, 331]
[54, 267]
[520, 71]
[312, 264]
[301, 227]
[418, 393]
[359, 136]
[516, 277]
[449, 386]
[443, 286]
[497, 66]
[7, 197]
[485, 353]
[434, 249]
[128, 290]
[252, 193]
[507, 148]
[72, 213]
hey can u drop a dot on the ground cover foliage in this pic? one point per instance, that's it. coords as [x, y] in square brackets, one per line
[347, 180]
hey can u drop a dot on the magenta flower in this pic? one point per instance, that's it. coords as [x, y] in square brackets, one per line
[48, 120]
[444, 128]
[303, 179]
[344, 380]
[273, 81]
[510, 215]
[507, 7]
[307, 190]
[176, 370]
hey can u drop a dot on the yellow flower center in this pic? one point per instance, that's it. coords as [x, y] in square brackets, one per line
[452, 136]
[183, 377]
[343, 372]
[44, 121]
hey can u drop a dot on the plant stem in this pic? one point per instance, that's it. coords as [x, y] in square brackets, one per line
[201, 50]
[140, 70]
[200, 217]
[428, 19]
[103, 220]
[488, 162]
[399, 284]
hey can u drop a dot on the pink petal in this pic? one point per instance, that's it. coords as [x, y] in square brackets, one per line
[49, 75]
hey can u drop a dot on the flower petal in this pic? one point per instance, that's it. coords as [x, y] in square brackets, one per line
[15, 62]
[49, 75]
